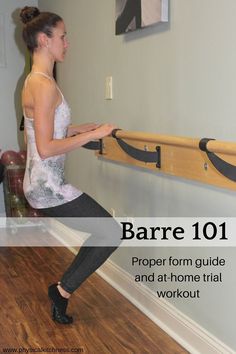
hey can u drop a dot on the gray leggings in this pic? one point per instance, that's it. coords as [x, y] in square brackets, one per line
[89, 258]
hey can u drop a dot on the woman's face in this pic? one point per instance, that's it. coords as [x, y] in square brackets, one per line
[58, 43]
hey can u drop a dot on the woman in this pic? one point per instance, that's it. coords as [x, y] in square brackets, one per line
[49, 136]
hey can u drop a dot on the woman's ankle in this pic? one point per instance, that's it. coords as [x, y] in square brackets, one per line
[63, 292]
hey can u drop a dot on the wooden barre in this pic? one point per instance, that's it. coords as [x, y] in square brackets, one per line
[215, 146]
[175, 156]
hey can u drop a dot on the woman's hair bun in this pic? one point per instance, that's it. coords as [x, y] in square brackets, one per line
[28, 13]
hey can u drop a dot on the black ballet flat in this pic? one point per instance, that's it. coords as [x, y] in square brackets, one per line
[59, 306]
[59, 317]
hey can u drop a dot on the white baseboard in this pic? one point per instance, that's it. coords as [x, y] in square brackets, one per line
[185, 331]
[3, 221]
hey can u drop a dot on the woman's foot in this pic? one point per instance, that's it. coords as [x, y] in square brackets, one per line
[59, 305]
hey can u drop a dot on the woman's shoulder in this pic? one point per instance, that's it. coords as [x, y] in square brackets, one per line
[41, 85]
[39, 79]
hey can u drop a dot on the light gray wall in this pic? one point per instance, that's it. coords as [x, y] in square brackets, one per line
[177, 79]
[11, 78]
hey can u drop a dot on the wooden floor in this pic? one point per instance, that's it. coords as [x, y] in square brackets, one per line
[104, 321]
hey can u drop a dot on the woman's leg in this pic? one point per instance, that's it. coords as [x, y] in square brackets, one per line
[79, 270]
[89, 258]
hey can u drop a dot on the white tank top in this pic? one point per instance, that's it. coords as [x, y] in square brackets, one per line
[44, 183]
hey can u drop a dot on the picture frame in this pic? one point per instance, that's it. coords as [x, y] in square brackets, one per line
[136, 14]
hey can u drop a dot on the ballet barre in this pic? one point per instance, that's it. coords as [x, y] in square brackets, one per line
[204, 160]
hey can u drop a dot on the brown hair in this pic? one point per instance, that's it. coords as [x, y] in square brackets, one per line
[36, 22]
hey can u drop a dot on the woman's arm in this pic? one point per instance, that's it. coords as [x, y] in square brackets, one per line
[82, 128]
[45, 97]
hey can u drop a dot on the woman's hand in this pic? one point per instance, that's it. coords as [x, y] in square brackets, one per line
[82, 128]
[103, 130]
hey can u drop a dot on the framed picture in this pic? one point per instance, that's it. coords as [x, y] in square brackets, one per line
[135, 14]
[2, 42]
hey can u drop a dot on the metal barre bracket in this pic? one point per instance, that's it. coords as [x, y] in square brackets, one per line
[138, 154]
[94, 145]
[225, 168]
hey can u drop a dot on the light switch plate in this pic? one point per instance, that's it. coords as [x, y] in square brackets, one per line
[108, 88]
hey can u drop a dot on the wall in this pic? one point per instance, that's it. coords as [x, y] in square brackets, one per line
[12, 76]
[178, 79]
